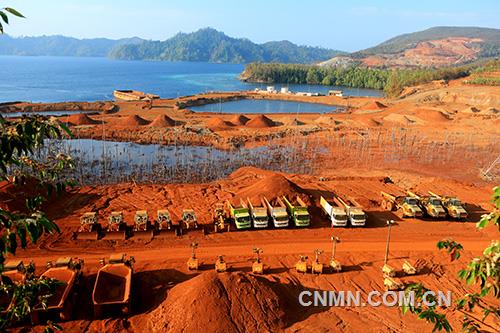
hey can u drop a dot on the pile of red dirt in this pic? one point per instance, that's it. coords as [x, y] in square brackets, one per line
[162, 121]
[375, 105]
[240, 120]
[134, 120]
[80, 119]
[260, 121]
[218, 124]
[214, 302]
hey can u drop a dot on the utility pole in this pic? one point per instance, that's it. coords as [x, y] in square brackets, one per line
[389, 223]
[335, 240]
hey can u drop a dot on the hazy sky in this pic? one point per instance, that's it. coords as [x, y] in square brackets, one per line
[346, 25]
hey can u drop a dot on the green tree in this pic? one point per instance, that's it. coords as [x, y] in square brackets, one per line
[5, 17]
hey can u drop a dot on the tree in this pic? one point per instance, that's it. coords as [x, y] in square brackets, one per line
[482, 272]
[5, 17]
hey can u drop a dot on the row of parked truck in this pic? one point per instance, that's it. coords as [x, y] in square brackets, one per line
[280, 213]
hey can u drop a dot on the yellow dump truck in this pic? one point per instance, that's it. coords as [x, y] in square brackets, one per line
[453, 206]
[407, 205]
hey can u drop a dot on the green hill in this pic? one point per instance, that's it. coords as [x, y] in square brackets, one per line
[210, 45]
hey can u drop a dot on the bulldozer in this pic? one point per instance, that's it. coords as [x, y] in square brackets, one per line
[407, 205]
[431, 205]
[189, 220]
[163, 220]
[116, 227]
[301, 265]
[219, 219]
[89, 227]
[317, 266]
[335, 264]
[453, 206]
[142, 227]
[193, 263]
[392, 284]
[388, 271]
[220, 264]
[408, 268]
[257, 266]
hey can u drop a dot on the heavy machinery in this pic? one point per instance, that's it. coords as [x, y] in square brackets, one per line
[142, 228]
[220, 219]
[335, 213]
[117, 228]
[431, 205]
[259, 215]
[388, 270]
[189, 220]
[67, 272]
[14, 272]
[392, 284]
[240, 215]
[277, 213]
[298, 212]
[193, 263]
[407, 205]
[408, 268]
[453, 206]
[220, 265]
[355, 213]
[257, 266]
[335, 264]
[301, 265]
[89, 227]
[163, 220]
[113, 285]
[317, 266]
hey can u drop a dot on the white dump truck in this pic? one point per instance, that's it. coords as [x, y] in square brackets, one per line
[355, 213]
[336, 213]
[259, 215]
[278, 213]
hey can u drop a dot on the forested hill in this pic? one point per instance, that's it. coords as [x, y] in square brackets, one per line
[210, 45]
[60, 46]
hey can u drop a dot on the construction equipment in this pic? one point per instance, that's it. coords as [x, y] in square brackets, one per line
[408, 268]
[220, 219]
[116, 227]
[317, 266]
[335, 213]
[392, 284]
[240, 215]
[278, 213]
[67, 272]
[259, 215]
[355, 213]
[89, 227]
[407, 205]
[334, 264]
[301, 265]
[298, 212]
[14, 272]
[220, 265]
[257, 266]
[113, 285]
[142, 227]
[188, 219]
[431, 205]
[388, 270]
[453, 206]
[193, 263]
[163, 220]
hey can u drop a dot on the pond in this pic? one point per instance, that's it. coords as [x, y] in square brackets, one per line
[109, 162]
[44, 113]
[264, 106]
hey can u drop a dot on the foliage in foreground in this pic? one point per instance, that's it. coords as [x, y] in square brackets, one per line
[482, 272]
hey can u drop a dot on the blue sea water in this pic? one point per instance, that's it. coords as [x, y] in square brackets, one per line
[54, 79]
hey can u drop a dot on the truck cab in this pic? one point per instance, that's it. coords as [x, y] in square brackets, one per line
[410, 206]
[357, 217]
[278, 214]
[298, 212]
[259, 216]
[241, 216]
[455, 208]
[433, 207]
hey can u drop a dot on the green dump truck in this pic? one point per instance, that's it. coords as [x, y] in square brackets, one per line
[240, 215]
[298, 212]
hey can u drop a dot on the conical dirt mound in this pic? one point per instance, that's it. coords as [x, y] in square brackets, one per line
[80, 119]
[260, 121]
[218, 124]
[222, 302]
[162, 121]
[240, 120]
[375, 105]
[134, 120]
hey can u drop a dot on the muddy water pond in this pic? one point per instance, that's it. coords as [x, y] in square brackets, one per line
[264, 106]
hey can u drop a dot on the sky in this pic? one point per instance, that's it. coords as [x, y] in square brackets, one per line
[344, 25]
